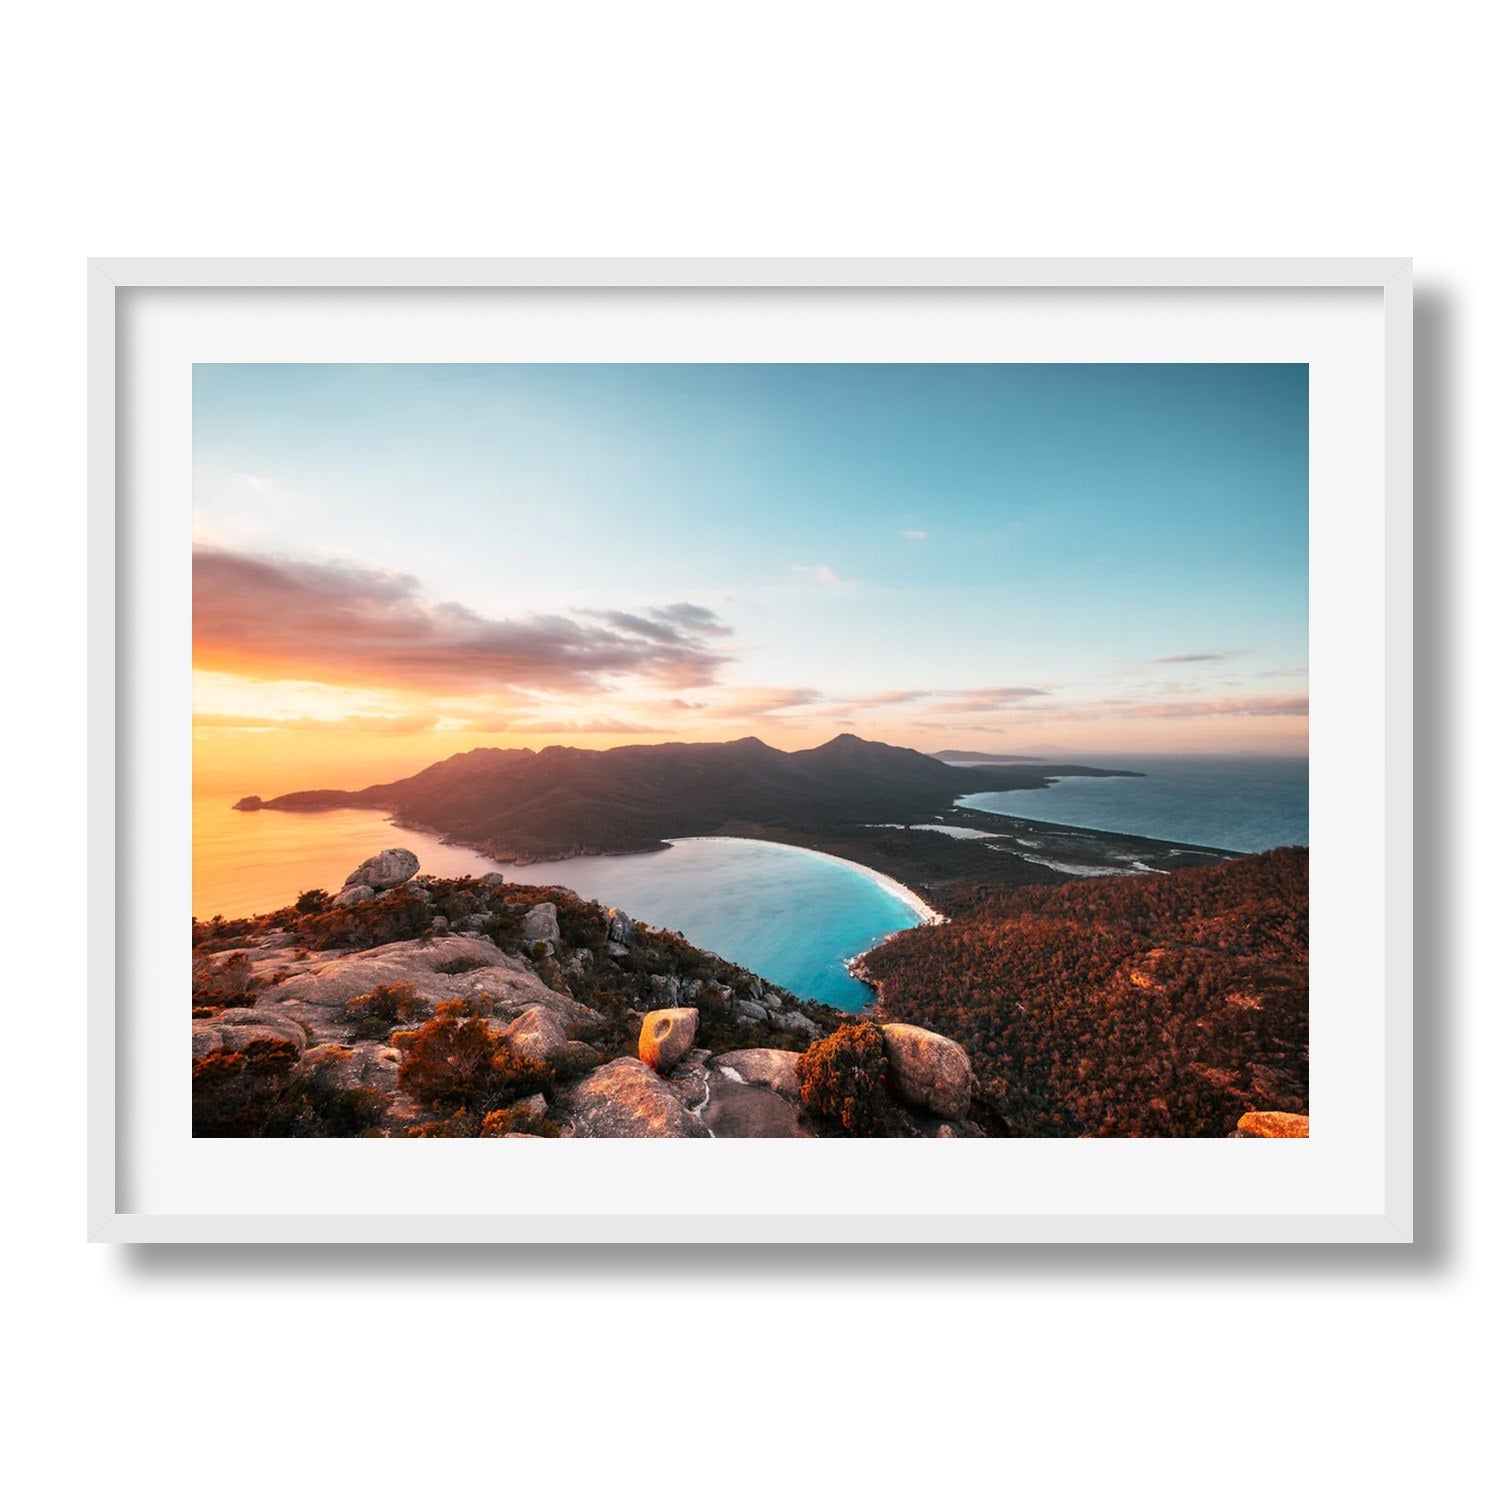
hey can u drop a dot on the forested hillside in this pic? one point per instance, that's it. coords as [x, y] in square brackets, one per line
[1159, 1005]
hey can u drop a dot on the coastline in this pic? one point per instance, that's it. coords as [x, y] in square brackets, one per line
[928, 916]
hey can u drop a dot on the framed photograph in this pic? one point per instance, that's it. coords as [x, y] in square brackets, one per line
[727, 751]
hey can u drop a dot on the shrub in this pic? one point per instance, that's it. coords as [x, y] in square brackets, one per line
[263, 1092]
[375, 1014]
[843, 1080]
[460, 1126]
[394, 918]
[517, 1122]
[456, 1061]
[224, 982]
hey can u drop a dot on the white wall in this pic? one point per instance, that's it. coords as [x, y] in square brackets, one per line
[774, 128]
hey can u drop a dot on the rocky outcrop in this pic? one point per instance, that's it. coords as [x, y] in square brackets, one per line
[767, 1066]
[364, 1065]
[666, 1036]
[537, 1034]
[626, 1099]
[928, 1070]
[1270, 1124]
[274, 994]
[234, 1030]
[316, 988]
[385, 871]
[540, 925]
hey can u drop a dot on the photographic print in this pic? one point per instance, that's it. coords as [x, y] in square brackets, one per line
[731, 750]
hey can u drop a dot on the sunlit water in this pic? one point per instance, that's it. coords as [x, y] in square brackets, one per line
[1241, 802]
[789, 914]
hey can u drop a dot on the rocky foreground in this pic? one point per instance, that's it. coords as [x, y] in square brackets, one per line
[412, 1006]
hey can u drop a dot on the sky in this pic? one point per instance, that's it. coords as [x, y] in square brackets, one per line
[393, 563]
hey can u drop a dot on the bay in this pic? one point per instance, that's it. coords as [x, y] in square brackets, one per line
[792, 915]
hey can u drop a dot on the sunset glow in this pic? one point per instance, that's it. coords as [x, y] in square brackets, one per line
[394, 564]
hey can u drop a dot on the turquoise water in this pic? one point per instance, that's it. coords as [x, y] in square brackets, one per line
[791, 915]
[788, 914]
[1241, 802]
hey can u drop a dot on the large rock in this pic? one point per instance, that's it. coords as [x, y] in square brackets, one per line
[621, 928]
[795, 1022]
[738, 1111]
[537, 1034]
[626, 1100]
[234, 1030]
[540, 925]
[352, 895]
[929, 1070]
[365, 1065]
[1271, 1124]
[315, 988]
[386, 870]
[666, 1036]
[767, 1066]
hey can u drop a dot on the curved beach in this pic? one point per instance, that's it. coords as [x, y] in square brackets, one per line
[927, 915]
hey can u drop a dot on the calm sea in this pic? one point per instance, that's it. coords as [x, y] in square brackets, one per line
[791, 915]
[1242, 802]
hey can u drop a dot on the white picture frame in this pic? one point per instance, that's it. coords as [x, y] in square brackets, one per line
[1383, 1210]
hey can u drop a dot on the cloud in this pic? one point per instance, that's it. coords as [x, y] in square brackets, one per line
[586, 726]
[822, 574]
[1190, 656]
[753, 702]
[915, 536]
[1103, 710]
[1196, 708]
[897, 696]
[264, 617]
[347, 723]
[979, 700]
[666, 625]
[950, 728]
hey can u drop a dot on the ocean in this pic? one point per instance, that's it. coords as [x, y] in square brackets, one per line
[1242, 802]
[792, 915]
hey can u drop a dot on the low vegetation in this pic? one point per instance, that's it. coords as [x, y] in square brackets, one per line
[263, 1091]
[1160, 1005]
[844, 1081]
[457, 1061]
[374, 1016]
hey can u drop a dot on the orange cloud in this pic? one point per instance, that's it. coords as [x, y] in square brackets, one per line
[269, 617]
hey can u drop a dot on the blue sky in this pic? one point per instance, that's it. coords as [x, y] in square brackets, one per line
[1095, 555]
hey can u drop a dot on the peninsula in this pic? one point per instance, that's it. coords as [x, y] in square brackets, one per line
[889, 808]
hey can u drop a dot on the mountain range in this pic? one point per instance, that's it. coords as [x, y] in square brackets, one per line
[537, 804]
